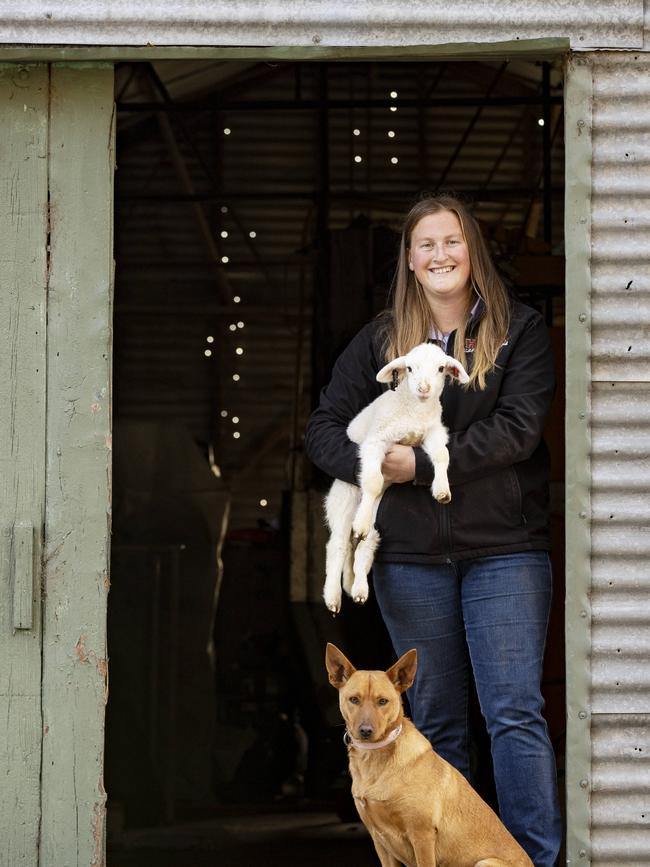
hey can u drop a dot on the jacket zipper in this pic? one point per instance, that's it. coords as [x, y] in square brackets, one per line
[445, 523]
[445, 531]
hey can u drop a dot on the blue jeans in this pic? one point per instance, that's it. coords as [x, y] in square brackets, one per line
[490, 613]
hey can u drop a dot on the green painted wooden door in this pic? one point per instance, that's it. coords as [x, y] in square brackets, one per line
[56, 206]
[78, 479]
[23, 290]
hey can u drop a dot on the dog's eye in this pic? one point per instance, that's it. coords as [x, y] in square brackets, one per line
[440, 369]
[410, 369]
[382, 701]
[354, 699]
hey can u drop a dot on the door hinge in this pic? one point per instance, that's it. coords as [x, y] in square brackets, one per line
[23, 575]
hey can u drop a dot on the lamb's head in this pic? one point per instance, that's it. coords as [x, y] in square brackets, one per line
[426, 367]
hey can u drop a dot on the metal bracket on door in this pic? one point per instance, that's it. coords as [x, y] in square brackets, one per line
[23, 575]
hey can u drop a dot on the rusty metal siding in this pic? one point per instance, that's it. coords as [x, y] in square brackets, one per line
[588, 23]
[620, 466]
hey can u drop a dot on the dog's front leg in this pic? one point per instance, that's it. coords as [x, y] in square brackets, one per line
[385, 857]
[424, 849]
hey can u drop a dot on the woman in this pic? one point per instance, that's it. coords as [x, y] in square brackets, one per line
[469, 583]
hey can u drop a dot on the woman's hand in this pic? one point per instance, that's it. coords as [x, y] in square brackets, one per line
[399, 464]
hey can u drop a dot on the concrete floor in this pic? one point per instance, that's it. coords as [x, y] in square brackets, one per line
[273, 839]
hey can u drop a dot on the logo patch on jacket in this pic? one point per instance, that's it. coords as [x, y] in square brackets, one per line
[470, 344]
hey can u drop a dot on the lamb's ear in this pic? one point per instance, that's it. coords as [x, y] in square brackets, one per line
[455, 369]
[402, 673]
[386, 373]
[339, 667]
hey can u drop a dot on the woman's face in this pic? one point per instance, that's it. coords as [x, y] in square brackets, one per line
[439, 257]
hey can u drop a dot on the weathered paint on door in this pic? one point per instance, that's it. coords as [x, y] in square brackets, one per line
[77, 527]
[23, 282]
[56, 216]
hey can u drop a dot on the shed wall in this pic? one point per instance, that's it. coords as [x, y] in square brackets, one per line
[620, 516]
[620, 520]
[587, 23]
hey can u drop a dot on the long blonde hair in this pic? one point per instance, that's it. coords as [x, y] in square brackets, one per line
[410, 318]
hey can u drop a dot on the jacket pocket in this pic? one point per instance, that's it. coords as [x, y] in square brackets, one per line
[519, 508]
[407, 521]
[487, 512]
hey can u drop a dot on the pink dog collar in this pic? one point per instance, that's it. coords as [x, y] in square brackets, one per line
[348, 740]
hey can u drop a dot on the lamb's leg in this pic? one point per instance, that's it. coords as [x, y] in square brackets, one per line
[348, 569]
[440, 487]
[372, 485]
[335, 551]
[363, 557]
[435, 445]
[340, 506]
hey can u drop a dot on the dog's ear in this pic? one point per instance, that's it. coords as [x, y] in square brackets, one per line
[339, 667]
[402, 674]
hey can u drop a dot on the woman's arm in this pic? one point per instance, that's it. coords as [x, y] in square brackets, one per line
[352, 387]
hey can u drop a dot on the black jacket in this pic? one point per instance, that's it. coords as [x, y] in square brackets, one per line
[498, 470]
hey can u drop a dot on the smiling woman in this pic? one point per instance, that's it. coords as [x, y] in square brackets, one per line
[467, 584]
[439, 260]
[427, 304]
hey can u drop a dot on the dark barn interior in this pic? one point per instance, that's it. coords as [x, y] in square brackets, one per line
[257, 213]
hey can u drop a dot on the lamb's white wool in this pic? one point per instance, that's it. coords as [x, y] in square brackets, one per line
[411, 415]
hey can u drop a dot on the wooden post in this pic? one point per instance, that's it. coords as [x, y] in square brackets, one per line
[77, 528]
[23, 267]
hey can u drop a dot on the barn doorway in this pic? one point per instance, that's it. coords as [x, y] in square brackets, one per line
[257, 208]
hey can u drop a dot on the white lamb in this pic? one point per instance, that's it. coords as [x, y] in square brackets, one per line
[410, 415]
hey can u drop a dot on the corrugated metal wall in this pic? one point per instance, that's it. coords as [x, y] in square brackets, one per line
[603, 23]
[620, 460]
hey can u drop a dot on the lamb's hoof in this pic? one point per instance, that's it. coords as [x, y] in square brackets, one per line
[443, 497]
[360, 592]
[333, 605]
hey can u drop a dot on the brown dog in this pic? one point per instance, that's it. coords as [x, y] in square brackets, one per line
[419, 810]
